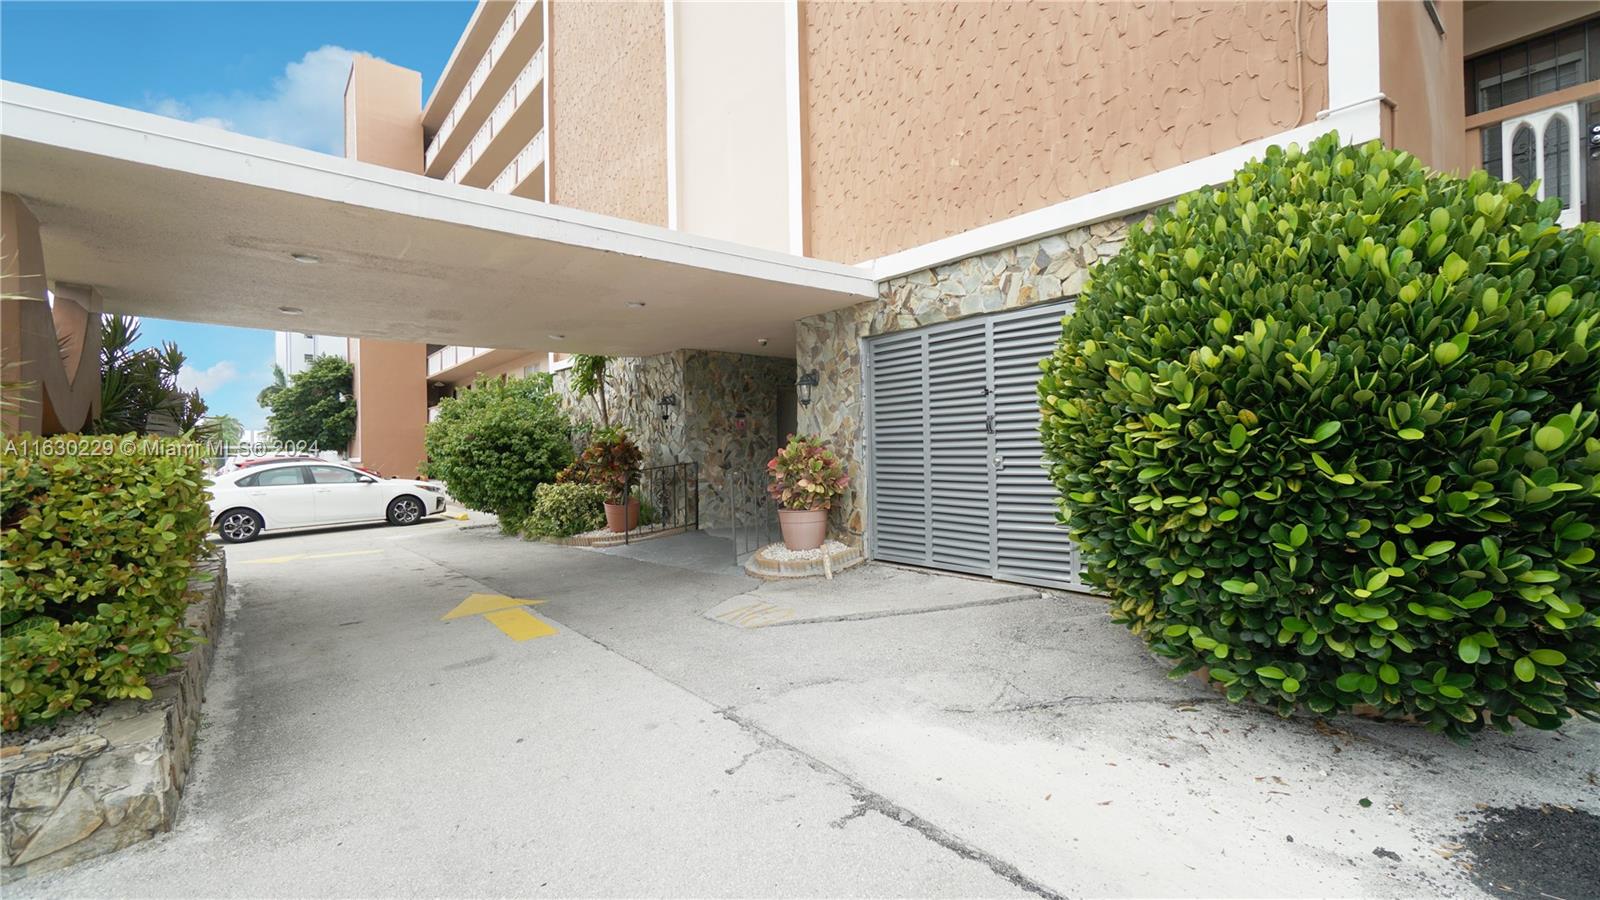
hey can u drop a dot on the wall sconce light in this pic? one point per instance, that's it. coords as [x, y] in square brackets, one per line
[740, 421]
[804, 386]
[665, 404]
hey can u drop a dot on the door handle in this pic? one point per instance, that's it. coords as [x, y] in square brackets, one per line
[999, 462]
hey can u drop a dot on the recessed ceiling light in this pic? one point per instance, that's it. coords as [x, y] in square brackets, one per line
[291, 310]
[556, 337]
[636, 304]
[307, 258]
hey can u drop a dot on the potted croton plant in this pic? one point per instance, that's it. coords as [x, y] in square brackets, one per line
[806, 476]
[608, 461]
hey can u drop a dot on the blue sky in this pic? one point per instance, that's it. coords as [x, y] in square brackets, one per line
[273, 70]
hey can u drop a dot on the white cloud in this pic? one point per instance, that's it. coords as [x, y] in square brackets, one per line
[304, 106]
[209, 379]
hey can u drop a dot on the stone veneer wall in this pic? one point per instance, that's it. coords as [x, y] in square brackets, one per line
[113, 775]
[1050, 268]
[712, 388]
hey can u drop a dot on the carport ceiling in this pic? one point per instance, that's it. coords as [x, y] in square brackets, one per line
[180, 221]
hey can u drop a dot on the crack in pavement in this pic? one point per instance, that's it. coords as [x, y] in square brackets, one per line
[865, 798]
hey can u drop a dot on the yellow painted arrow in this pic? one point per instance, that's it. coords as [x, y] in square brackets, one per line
[505, 613]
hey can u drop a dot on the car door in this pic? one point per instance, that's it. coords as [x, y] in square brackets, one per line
[281, 495]
[345, 495]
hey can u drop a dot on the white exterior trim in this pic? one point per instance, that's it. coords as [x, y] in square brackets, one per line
[670, 28]
[796, 160]
[46, 118]
[1353, 58]
[1355, 124]
[549, 129]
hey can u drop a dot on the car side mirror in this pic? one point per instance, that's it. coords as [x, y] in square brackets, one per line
[365, 480]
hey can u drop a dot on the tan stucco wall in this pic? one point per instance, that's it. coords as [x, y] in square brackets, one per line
[731, 104]
[391, 388]
[383, 115]
[608, 108]
[924, 120]
[383, 126]
[1421, 74]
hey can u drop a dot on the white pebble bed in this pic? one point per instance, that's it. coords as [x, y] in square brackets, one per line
[783, 554]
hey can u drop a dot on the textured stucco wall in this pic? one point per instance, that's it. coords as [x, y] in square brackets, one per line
[924, 120]
[608, 111]
[1051, 268]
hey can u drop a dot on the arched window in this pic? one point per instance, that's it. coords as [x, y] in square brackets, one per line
[1523, 169]
[1558, 160]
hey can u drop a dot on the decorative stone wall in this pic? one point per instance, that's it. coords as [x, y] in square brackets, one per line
[1050, 268]
[110, 776]
[726, 419]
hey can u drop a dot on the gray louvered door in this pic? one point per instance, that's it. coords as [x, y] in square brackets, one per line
[1029, 544]
[957, 480]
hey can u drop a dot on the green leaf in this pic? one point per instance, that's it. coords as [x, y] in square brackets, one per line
[1548, 438]
[1525, 669]
[1468, 650]
[1549, 657]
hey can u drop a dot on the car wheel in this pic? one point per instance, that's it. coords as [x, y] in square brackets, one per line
[239, 526]
[405, 510]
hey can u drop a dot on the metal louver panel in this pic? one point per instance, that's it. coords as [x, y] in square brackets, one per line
[1029, 544]
[898, 439]
[957, 471]
[960, 512]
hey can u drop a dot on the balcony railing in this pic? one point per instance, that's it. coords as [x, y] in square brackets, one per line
[449, 357]
[522, 167]
[497, 47]
[521, 91]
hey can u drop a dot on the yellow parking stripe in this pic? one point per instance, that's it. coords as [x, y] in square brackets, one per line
[519, 624]
[298, 556]
[478, 604]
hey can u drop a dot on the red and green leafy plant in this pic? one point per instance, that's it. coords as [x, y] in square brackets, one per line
[96, 552]
[608, 461]
[806, 475]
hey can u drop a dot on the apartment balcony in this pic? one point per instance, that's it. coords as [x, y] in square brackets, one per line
[461, 365]
[1549, 139]
[524, 175]
[512, 68]
[514, 123]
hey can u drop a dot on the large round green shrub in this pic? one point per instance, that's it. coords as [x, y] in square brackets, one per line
[497, 441]
[1328, 430]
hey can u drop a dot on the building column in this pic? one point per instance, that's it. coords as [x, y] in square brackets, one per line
[50, 357]
[383, 126]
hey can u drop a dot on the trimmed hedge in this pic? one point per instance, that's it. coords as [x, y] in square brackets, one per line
[566, 509]
[494, 442]
[1329, 431]
[98, 539]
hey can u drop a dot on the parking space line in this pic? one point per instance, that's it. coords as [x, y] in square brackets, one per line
[303, 556]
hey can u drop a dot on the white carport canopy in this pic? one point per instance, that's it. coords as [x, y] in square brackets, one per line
[181, 221]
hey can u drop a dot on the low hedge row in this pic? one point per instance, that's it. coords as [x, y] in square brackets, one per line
[98, 540]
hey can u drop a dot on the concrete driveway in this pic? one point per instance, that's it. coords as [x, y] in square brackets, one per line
[896, 734]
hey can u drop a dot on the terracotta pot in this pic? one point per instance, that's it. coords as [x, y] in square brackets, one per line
[803, 529]
[616, 511]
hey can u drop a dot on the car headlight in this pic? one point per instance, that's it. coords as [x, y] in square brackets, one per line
[430, 487]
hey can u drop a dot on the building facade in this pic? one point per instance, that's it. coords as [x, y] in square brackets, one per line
[894, 201]
[293, 351]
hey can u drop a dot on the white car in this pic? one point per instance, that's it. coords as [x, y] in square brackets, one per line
[301, 494]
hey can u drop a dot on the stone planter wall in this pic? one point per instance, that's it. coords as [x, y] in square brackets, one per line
[1050, 268]
[112, 775]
